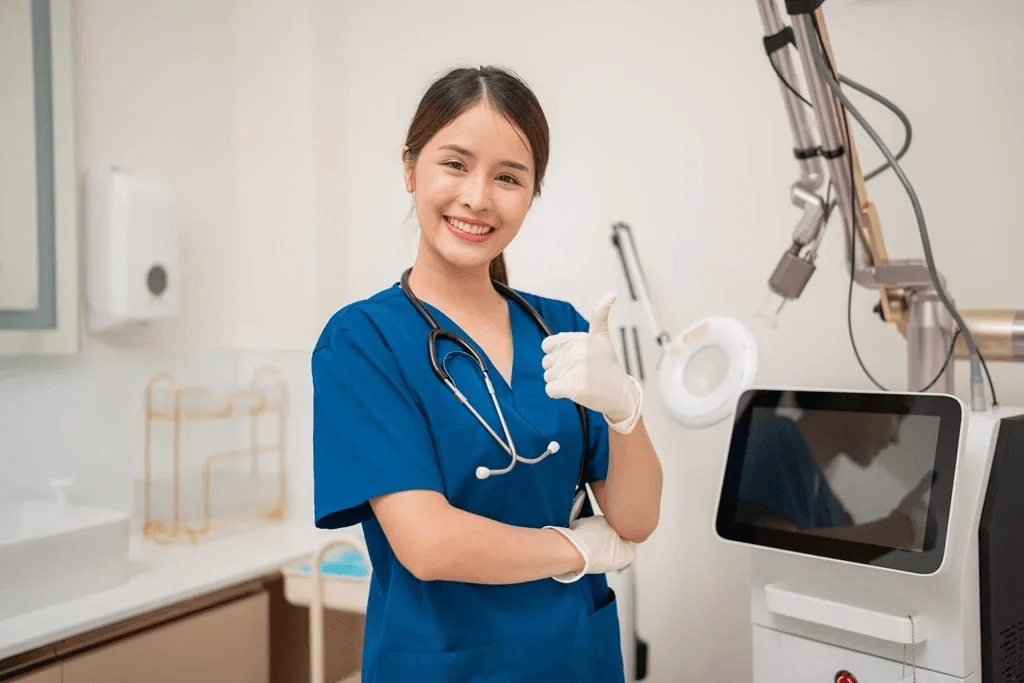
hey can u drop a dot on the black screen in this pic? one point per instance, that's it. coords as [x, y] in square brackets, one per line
[857, 476]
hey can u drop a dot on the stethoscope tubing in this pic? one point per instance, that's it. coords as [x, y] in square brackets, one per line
[439, 369]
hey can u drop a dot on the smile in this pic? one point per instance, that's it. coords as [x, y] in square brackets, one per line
[462, 226]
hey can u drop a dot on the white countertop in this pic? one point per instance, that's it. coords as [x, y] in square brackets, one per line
[165, 575]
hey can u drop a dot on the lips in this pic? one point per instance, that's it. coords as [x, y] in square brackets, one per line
[469, 226]
[468, 231]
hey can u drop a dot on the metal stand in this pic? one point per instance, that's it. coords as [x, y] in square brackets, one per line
[930, 327]
[929, 342]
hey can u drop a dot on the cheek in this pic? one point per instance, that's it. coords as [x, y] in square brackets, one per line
[432, 197]
[513, 209]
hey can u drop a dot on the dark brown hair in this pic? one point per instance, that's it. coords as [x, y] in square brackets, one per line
[458, 90]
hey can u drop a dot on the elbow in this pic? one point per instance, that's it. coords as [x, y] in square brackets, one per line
[635, 530]
[638, 533]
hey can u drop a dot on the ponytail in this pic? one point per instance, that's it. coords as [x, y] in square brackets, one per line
[497, 269]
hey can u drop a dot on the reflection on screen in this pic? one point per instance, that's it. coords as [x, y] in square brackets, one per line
[863, 477]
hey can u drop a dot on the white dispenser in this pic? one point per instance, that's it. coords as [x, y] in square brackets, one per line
[132, 253]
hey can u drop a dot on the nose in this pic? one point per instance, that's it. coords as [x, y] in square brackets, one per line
[475, 193]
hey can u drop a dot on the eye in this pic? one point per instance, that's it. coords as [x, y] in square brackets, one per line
[454, 163]
[506, 178]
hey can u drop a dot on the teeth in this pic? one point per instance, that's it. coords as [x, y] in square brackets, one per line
[472, 229]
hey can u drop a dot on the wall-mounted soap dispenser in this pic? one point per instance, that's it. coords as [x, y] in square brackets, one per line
[131, 250]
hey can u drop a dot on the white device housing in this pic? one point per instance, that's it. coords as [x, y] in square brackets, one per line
[132, 252]
[815, 616]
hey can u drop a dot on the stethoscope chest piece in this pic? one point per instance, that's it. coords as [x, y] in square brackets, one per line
[437, 333]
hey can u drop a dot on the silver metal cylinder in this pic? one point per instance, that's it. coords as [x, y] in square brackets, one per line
[929, 342]
[832, 135]
[811, 172]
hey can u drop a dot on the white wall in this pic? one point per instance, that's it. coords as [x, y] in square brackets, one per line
[278, 125]
[215, 99]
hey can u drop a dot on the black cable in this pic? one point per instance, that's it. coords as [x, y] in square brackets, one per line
[945, 364]
[787, 83]
[991, 386]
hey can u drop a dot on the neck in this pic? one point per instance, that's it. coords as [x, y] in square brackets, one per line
[440, 283]
[819, 440]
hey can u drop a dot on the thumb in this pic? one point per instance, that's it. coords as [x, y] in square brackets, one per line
[599, 318]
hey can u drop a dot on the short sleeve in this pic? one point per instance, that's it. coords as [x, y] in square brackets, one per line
[596, 468]
[369, 436]
[770, 475]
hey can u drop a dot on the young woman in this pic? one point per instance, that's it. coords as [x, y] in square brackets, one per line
[484, 566]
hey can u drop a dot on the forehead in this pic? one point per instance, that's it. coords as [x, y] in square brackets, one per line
[485, 132]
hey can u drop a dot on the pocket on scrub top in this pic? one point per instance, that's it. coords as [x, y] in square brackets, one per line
[492, 663]
[607, 642]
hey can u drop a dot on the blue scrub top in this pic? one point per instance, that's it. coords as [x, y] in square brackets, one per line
[780, 473]
[383, 422]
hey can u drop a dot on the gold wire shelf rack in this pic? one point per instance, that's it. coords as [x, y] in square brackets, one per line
[171, 403]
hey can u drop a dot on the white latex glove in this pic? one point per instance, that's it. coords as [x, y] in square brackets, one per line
[914, 507]
[603, 550]
[583, 367]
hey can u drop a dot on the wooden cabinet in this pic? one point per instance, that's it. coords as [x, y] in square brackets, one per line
[223, 644]
[50, 674]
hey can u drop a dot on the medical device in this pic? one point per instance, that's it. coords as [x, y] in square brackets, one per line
[703, 369]
[437, 332]
[921, 578]
[924, 581]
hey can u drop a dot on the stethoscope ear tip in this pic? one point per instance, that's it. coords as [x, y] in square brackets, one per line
[482, 472]
[553, 447]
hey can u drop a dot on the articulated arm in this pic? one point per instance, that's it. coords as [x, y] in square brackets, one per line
[912, 293]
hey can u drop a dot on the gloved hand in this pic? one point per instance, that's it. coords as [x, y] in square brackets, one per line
[583, 367]
[603, 550]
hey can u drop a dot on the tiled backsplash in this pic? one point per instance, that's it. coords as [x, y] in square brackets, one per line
[84, 417]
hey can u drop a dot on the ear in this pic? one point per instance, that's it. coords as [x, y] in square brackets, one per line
[408, 166]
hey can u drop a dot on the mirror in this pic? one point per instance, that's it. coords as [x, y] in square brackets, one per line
[38, 202]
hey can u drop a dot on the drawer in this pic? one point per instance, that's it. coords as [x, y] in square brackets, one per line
[50, 674]
[784, 658]
[228, 643]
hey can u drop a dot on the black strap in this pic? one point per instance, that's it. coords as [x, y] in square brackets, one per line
[778, 41]
[794, 7]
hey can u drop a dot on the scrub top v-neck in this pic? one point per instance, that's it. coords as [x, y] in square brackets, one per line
[383, 423]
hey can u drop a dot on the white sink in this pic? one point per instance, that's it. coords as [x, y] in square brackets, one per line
[51, 552]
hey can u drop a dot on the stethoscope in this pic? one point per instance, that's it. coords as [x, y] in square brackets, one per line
[436, 332]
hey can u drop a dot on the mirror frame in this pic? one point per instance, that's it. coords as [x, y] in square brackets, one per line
[64, 337]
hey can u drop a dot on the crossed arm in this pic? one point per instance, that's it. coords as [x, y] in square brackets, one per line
[436, 541]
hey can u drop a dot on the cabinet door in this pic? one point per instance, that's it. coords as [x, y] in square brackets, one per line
[50, 674]
[224, 644]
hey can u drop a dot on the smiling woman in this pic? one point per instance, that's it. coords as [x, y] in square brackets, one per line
[488, 561]
[479, 138]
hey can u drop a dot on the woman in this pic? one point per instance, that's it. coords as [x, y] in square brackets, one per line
[481, 572]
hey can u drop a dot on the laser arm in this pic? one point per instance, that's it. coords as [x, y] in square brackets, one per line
[912, 292]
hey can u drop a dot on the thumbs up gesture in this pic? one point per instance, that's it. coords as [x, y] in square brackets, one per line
[583, 367]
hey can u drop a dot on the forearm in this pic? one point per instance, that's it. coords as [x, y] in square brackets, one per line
[631, 494]
[475, 549]
[438, 542]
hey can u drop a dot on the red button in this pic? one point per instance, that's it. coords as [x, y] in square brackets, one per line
[845, 677]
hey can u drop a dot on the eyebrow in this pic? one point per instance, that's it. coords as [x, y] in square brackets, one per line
[465, 152]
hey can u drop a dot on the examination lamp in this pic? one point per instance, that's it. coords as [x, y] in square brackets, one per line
[701, 371]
